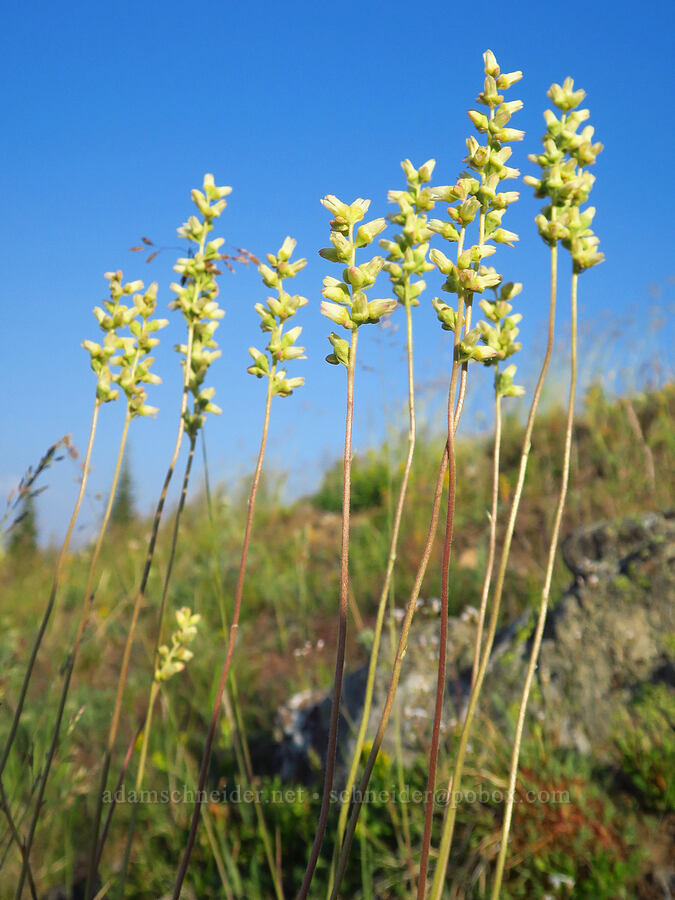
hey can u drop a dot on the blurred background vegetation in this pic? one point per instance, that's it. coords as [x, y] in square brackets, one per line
[602, 844]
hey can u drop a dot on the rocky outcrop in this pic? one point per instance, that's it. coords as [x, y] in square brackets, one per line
[608, 635]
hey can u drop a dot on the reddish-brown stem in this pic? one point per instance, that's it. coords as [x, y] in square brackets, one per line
[443, 638]
[396, 671]
[232, 637]
[384, 594]
[455, 782]
[331, 751]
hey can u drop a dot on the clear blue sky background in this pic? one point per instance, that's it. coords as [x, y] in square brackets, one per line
[112, 112]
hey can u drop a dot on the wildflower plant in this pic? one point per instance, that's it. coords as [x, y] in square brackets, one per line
[273, 316]
[122, 360]
[100, 355]
[196, 298]
[474, 199]
[407, 253]
[170, 659]
[347, 305]
[565, 181]
[499, 333]
[281, 348]
[567, 184]
[174, 657]
[406, 264]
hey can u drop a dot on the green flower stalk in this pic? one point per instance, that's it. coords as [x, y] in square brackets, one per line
[406, 263]
[567, 184]
[196, 298]
[122, 360]
[281, 348]
[347, 305]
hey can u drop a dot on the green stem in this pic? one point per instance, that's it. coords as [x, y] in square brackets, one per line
[493, 537]
[52, 594]
[543, 604]
[185, 861]
[139, 783]
[70, 663]
[455, 780]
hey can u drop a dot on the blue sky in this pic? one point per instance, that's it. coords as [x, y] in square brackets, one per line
[112, 113]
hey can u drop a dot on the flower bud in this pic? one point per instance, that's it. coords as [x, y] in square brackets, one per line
[490, 63]
[287, 248]
[507, 79]
[338, 314]
[441, 261]
[341, 349]
[480, 120]
[379, 308]
[367, 233]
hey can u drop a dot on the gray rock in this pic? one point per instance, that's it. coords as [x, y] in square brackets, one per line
[608, 634]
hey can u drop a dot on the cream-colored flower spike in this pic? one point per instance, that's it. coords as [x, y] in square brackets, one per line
[274, 315]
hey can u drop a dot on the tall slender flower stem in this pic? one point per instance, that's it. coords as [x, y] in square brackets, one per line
[445, 573]
[155, 686]
[331, 751]
[455, 780]
[70, 664]
[232, 709]
[382, 604]
[543, 605]
[16, 837]
[443, 637]
[396, 669]
[120, 781]
[140, 596]
[234, 626]
[281, 347]
[52, 594]
[492, 543]
[174, 541]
